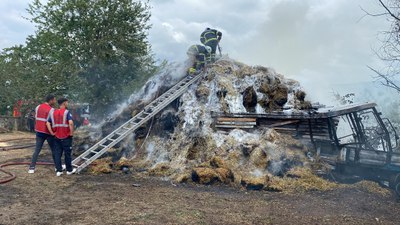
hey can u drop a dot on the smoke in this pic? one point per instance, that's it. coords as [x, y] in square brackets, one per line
[168, 76]
[322, 44]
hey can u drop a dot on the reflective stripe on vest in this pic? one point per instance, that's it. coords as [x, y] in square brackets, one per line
[205, 39]
[60, 123]
[64, 121]
[42, 113]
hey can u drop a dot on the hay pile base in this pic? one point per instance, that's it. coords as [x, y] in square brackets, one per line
[301, 179]
[372, 187]
[103, 165]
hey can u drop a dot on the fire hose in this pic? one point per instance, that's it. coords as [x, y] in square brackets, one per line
[12, 176]
[16, 147]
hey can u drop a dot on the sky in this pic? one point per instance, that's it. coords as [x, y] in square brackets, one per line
[324, 44]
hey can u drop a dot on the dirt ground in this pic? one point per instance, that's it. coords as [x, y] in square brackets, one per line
[43, 198]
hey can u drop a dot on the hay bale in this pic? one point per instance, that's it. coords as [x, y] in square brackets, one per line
[250, 99]
[123, 162]
[264, 102]
[161, 169]
[258, 158]
[183, 178]
[103, 165]
[202, 93]
[255, 183]
[280, 95]
[265, 88]
[246, 149]
[217, 162]
[306, 105]
[276, 94]
[199, 144]
[300, 95]
[245, 71]
[204, 175]
[224, 175]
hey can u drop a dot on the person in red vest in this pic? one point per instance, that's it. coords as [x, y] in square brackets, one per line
[42, 113]
[61, 125]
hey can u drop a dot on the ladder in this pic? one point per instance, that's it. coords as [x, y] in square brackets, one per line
[101, 147]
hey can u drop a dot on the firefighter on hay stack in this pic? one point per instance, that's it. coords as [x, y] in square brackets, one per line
[199, 55]
[211, 37]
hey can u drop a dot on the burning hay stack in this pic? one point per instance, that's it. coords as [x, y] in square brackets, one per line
[181, 143]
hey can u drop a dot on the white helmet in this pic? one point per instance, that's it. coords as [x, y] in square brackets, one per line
[208, 48]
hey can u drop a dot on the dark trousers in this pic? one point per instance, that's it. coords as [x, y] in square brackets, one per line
[213, 45]
[63, 146]
[40, 138]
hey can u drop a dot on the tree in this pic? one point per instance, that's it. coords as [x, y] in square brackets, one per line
[92, 51]
[390, 49]
[104, 42]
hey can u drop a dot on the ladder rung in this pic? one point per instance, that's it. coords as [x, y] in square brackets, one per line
[103, 146]
[85, 158]
[110, 139]
[119, 134]
[95, 152]
[74, 165]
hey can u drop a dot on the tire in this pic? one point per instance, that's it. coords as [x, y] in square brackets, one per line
[397, 178]
[397, 189]
[394, 180]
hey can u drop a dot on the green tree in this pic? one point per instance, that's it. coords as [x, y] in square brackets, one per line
[103, 42]
[93, 51]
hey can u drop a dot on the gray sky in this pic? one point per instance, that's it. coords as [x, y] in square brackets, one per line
[321, 43]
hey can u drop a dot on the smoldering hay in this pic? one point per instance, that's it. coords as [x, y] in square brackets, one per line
[181, 144]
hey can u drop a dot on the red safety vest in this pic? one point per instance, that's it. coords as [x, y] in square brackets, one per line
[42, 115]
[60, 124]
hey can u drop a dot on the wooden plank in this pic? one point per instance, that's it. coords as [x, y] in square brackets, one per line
[234, 127]
[223, 119]
[284, 129]
[283, 123]
[237, 123]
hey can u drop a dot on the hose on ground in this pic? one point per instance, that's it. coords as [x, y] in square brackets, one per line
[16, 147]
[12, 176]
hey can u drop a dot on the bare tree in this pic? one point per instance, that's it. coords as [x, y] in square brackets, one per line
[389, 52]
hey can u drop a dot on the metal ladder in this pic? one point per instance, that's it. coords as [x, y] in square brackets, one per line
[101, 147]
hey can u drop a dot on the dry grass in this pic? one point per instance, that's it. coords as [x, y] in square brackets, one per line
[103, 165]
[372, 187]
[161, 170]
[299, 180]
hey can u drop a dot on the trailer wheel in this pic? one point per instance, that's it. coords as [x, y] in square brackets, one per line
[397, 189]
[397, 179]
[394, 180]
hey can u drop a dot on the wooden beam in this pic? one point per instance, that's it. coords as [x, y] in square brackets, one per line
[283, 123]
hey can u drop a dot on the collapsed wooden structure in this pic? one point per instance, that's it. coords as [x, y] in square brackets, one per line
[318, 125]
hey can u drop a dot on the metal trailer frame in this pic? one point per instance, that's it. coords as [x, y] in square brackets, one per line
[360, 157]
[321, 128]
